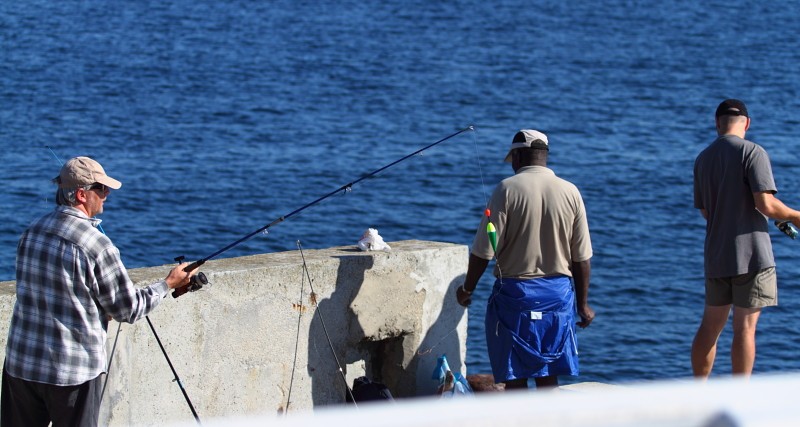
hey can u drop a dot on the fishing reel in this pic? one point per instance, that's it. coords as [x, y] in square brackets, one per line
[196, 282]
[787, 228]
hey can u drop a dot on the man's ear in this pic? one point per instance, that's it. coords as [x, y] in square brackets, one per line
[80, 195]
[747, 125]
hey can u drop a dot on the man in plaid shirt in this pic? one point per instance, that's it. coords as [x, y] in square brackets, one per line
[70, 279]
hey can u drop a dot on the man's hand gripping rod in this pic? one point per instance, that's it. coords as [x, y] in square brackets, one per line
[195, 283]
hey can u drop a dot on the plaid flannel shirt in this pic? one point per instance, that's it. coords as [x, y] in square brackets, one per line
[69, 279]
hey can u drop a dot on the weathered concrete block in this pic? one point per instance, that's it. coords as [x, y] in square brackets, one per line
[256, 335]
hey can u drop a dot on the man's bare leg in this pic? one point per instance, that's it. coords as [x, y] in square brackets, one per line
[743, 349]
[704, 346]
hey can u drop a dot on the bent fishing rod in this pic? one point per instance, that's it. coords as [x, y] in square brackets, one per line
[344, 188]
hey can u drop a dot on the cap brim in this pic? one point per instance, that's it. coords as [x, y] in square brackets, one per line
[109, 181]
[513, 146]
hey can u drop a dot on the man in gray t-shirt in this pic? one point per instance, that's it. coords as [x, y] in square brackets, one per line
[735, 192]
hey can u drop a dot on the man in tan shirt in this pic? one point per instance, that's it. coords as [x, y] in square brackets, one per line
[542, 243]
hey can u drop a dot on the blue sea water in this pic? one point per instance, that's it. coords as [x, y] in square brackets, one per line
[221, 116]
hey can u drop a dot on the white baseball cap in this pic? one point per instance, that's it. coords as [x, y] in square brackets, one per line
[528, 138]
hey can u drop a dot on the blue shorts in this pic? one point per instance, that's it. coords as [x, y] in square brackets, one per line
[530, 328]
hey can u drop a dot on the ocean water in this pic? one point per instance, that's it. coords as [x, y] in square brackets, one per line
[220, 117]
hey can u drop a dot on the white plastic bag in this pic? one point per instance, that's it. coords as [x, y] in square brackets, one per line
[372, 241]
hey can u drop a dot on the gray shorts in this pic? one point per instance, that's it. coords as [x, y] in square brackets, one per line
[751, 290]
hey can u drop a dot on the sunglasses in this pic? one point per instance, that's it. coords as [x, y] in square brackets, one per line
[102, 188]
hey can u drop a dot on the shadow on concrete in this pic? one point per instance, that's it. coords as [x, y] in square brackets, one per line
[442, 338]
[327, 382]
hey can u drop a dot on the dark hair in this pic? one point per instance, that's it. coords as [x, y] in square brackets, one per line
[528, 155]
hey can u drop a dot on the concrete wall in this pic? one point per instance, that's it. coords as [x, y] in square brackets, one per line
[244, 344]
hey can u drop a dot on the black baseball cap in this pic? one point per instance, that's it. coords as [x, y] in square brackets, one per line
[732, 107]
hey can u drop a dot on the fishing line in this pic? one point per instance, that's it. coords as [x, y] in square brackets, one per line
[430, 349]
[490, 228]
[344, 188]
[297, 337]
[487, 212]
[324, 329]
[480, 168]
[491, 231]
[58, 159]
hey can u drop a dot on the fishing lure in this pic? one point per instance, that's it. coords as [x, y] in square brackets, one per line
[491, 230]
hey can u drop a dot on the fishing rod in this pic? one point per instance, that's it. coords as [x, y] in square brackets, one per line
[318, 312]
[174, 372]
[344, 188]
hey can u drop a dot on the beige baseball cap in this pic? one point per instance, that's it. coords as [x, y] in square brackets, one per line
[81, 171]
[528, 138]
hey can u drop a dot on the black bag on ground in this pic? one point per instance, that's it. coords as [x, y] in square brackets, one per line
[365, 390]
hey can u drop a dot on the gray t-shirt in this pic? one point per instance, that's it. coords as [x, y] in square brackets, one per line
[726, 174]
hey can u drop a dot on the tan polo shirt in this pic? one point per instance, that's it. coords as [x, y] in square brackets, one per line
[541, 226]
